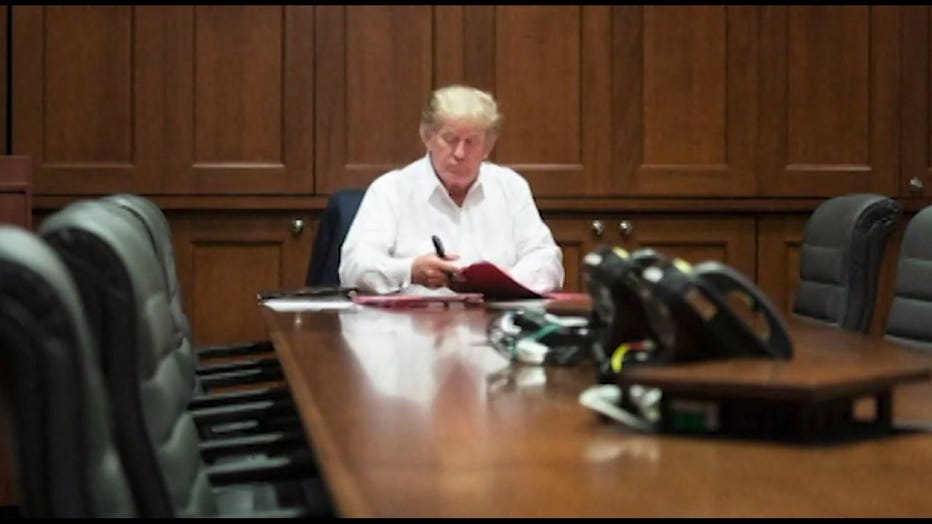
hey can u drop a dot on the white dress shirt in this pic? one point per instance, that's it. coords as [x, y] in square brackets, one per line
[498, 223]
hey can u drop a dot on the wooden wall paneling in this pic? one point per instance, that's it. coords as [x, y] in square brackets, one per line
[916, 43]
[4, 80]
[695, 238]
[375, 68]
[239, 113]
[685, 101]
[224, 259]
[575, 240]
[12, 206]
[551, 74]
[829, 103]
[600, 103]
[171, 99]
[16, 190]
[464, 46]
[449, 44]
[779, 240]
[479, 47]
[77, 109]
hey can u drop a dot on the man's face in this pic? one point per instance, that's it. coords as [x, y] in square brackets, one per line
[456, 151]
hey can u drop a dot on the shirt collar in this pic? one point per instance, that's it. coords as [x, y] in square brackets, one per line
[430, 183]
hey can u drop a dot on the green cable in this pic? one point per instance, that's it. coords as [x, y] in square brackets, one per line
[543, 332]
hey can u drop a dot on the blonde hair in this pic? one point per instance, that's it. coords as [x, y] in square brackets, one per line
[459, 102]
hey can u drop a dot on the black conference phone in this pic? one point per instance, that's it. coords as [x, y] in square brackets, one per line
[651, 309]
[715, 312]
[624, 316]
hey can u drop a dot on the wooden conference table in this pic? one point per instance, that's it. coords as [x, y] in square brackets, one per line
[411, 413]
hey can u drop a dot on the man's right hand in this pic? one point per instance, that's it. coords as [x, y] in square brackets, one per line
[431, 271]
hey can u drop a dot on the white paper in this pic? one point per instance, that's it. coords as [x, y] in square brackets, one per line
[306, 304]
[418, 290]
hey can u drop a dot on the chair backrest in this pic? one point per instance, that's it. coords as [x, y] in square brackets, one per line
[842, 251]
[67, 461]
[158, 232]
[910, 318]
[324, 266]
[160, 236]
[121, 285]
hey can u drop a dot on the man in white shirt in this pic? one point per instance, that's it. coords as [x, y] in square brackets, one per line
[479, 210]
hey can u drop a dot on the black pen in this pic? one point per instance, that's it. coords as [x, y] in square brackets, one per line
[438, 247]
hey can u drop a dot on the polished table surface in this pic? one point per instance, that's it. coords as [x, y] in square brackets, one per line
[412, 413]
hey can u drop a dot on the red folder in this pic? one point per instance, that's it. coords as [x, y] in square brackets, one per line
[495, 284]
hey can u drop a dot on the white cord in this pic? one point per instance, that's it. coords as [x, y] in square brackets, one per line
[604, 398]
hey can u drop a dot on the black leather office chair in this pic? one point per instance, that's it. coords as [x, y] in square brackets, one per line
[910, 319]
[842, 251]
[67, 464]
[243, 370]
[122, 288]
[245, 411]
[335, 221]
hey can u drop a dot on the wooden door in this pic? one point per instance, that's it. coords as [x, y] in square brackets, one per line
[550, 68]
[684, 101]
[16, 190]
[829, 106]
[164, 99]
[916, 176]
[576, 238]
[694, 238]
[85, 101]
[780, 238]
[224, 259]
[238, 95]
[374, 67]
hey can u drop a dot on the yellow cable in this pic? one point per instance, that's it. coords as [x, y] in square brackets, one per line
[618, 356]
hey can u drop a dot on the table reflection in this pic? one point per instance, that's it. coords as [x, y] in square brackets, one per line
[414, 354]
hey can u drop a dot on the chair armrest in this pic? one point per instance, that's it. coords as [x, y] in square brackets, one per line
[239, 365]
[249, 418]
[240, 377]
[235, 350]
[266, 443]
[295, 465]
[279, 393]
[261, 409]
